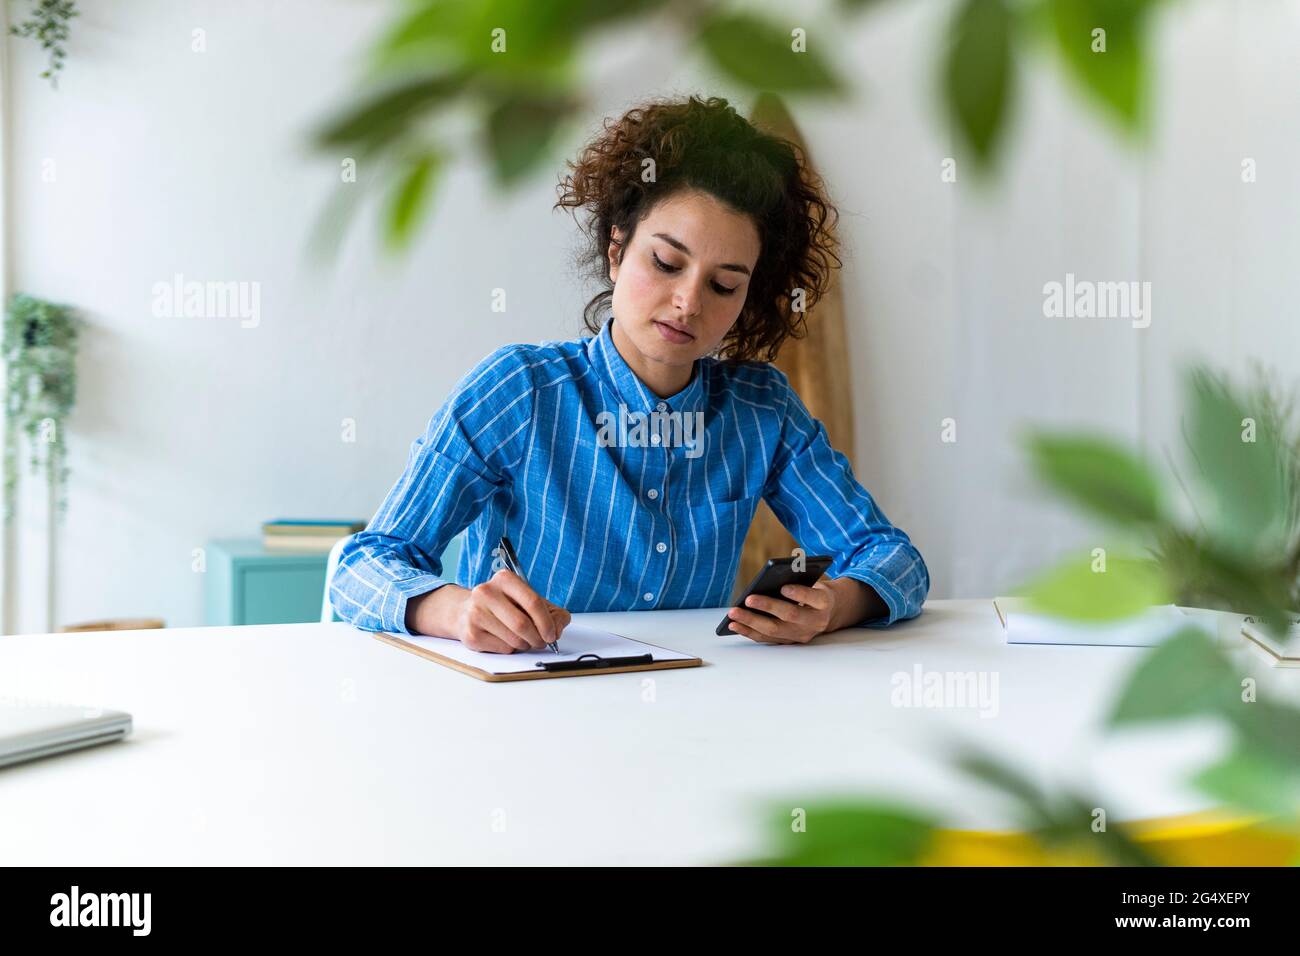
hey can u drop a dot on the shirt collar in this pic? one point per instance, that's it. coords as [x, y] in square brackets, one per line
[634, 392]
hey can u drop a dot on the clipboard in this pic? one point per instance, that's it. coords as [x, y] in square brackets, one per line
[591, 652]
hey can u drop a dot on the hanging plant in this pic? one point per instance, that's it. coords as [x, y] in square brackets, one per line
[40, 351]
[47, 23]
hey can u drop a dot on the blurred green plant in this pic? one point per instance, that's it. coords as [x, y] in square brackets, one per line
[881, 832]
[849, 832]
[48, 23]
[1242, 553]
[512, 66]
[1188, 676]
[40, 355]
[1274, 409]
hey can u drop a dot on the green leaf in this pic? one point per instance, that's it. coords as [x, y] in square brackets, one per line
[979, 74]
[1055, 819]
[757, 53]
[1074, 590]
[1098, 474]
[1074, 821]
[1184, 676]
[1116, 78]
[390, 114]
[1258, 785]
[1246, 585]
[531, 44]
[519, 132]
[1267, 729]
[430, 29]
[1244, 479]
[851, 833]
[407, 200]
[1036, 810]
[439, 26]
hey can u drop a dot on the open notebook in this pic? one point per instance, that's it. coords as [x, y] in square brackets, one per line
[577, 642]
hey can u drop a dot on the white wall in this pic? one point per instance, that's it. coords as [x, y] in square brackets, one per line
[172, 161]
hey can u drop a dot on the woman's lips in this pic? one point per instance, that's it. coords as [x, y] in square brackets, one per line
[673, 335]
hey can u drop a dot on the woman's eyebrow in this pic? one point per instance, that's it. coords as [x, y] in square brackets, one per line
[677, 243]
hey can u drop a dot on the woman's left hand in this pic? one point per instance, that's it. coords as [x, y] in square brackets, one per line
[807, 613]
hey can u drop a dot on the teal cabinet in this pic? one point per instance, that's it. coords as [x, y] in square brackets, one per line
[247, 584]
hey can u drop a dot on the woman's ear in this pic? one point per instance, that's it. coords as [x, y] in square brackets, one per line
[614, 252]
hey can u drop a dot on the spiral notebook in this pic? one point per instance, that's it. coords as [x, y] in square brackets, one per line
[586, 651]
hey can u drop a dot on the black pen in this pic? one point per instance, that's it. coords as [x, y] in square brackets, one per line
[512, 562]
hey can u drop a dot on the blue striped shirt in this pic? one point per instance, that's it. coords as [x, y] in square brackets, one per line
[615, 499]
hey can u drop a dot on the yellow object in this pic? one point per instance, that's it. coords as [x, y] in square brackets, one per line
[1196, 839]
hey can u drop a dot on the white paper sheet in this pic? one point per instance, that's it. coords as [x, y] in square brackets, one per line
[575, 640]
[1145, 630]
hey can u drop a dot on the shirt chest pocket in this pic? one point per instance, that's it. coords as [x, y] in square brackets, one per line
[719, 524]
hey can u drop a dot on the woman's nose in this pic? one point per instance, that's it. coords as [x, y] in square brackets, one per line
[687, 298]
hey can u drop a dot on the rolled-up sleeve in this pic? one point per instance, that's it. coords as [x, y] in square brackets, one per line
[812, 491]
[464, 456]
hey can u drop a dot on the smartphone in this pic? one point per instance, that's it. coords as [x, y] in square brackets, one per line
[776, 574]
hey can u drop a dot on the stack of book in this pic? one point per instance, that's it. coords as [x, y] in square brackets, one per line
[306, 534]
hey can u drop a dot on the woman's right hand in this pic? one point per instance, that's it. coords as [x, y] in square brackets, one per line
[502, 615]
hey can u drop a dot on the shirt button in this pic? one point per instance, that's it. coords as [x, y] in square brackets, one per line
[661, 406]
[654, 439]
[652, 494]
[648, 596]
[661, 547]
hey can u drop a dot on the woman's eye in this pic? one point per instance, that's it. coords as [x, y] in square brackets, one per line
[665, 267]
[661, 265]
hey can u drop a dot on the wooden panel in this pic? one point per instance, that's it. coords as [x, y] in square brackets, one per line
[818, 368]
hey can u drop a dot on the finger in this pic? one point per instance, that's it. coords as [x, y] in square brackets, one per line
[489, 634]
[541, 629]
[500, 617]
[491, 644]
[505, 602]
[818, 596]
[768, 626]
[561, 617]
[753, 635]
[518, 624]
[505, 632]
[785, 610]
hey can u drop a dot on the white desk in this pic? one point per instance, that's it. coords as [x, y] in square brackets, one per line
[318, 744]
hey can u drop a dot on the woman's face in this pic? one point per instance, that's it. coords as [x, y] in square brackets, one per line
[683, 280]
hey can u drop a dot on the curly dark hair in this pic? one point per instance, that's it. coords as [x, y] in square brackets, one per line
[703, 144]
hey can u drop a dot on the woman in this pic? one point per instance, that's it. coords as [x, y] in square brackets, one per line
[626, 466]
